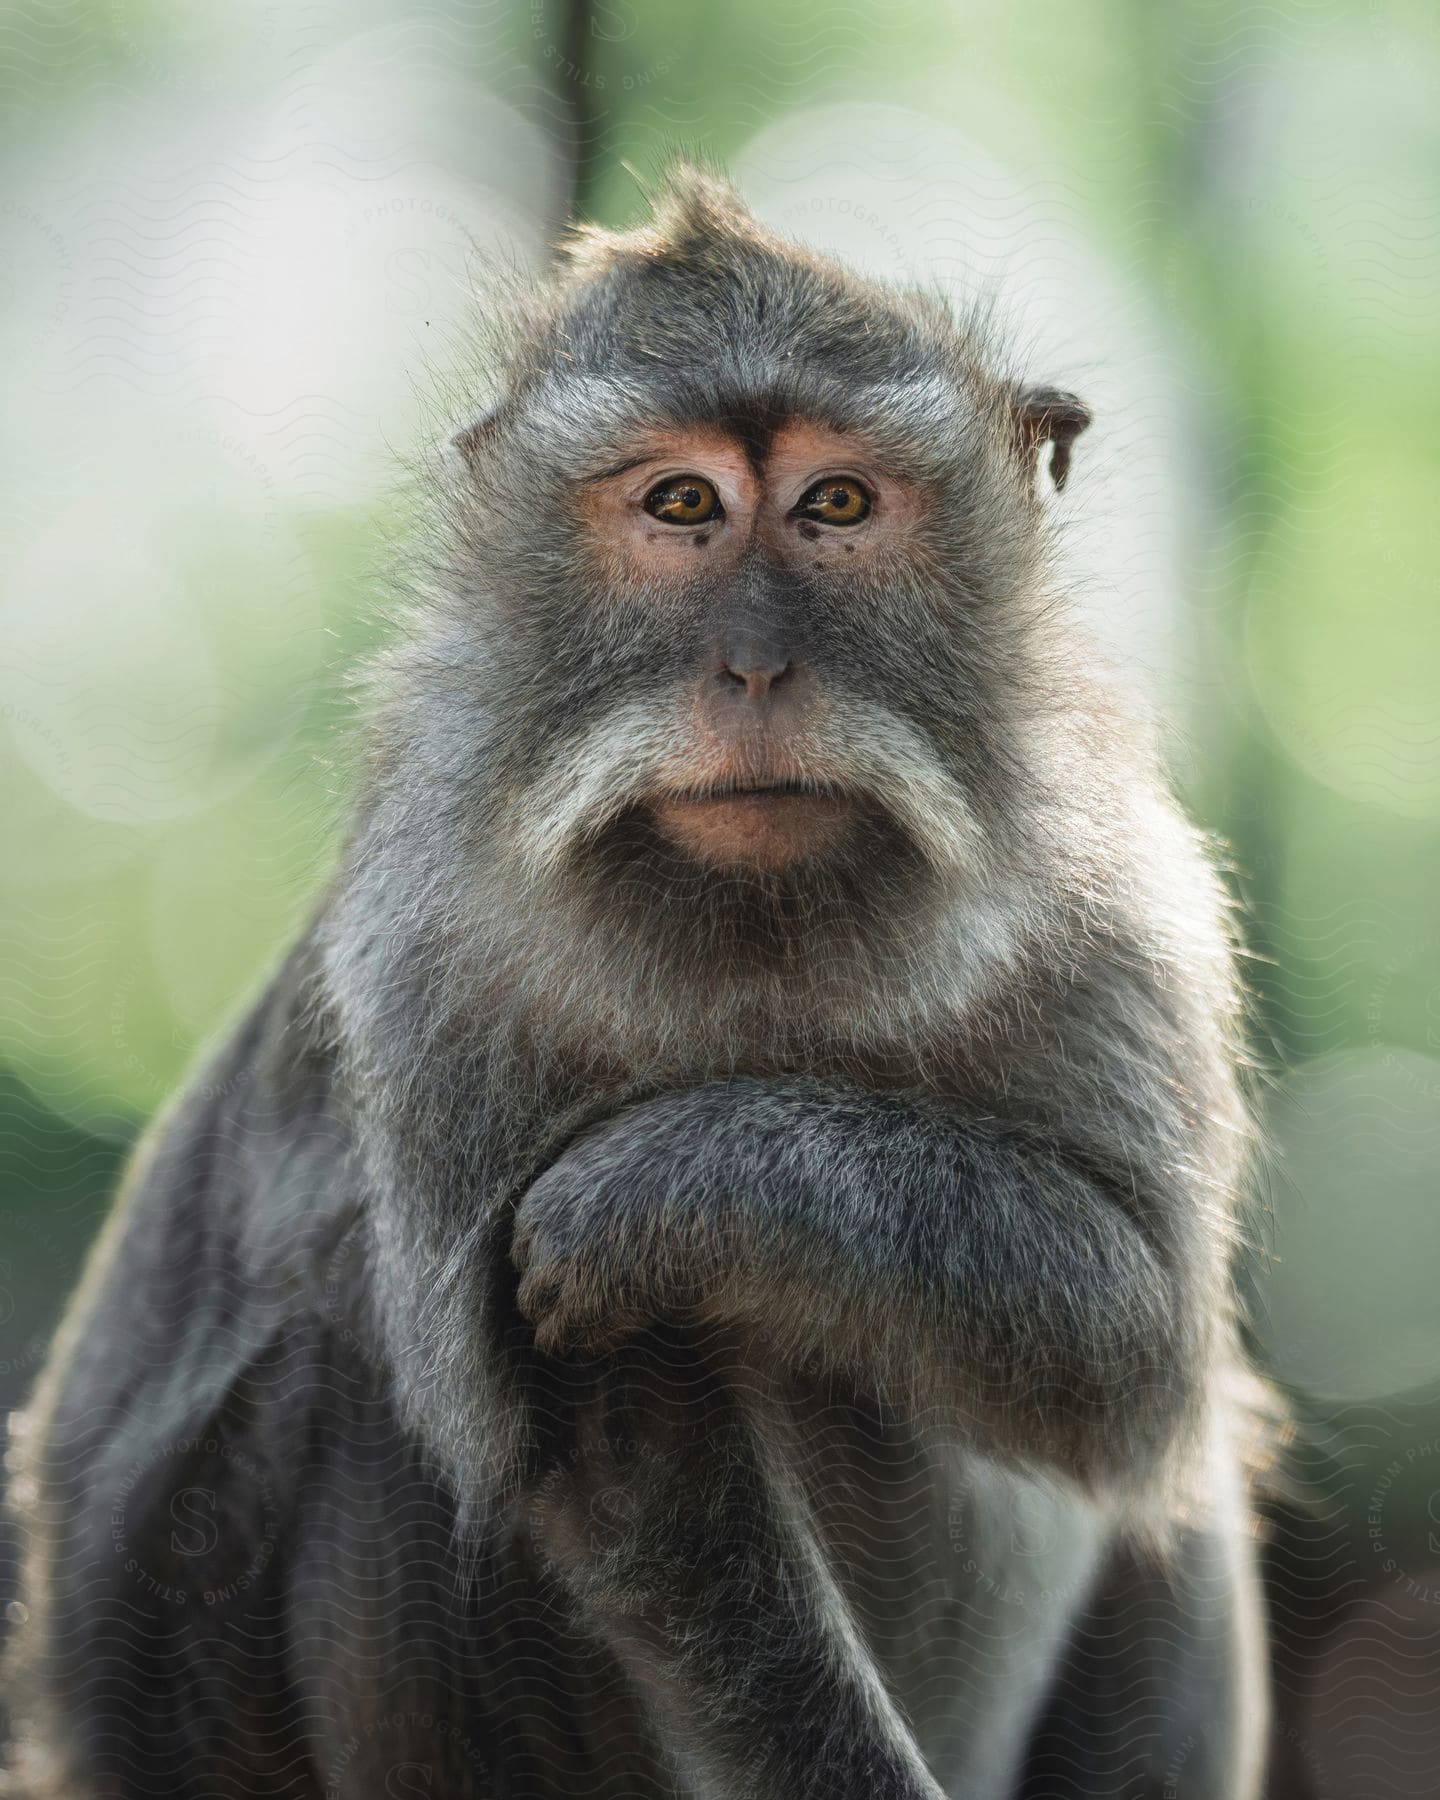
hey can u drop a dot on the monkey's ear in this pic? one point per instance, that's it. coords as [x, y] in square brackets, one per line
[469, 441]
[1045, 415]
[458, 454]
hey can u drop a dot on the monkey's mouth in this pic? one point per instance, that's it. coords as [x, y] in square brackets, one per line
[754, 823]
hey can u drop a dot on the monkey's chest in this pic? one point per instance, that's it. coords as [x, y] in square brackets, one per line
[780, 1560]
[965, 1579]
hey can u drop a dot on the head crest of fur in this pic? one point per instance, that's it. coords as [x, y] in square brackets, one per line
[692, 211]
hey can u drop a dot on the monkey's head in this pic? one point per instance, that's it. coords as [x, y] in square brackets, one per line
[742, 606]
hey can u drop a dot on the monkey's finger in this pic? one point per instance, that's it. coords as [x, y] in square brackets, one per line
[523, 1243]
[539, 1294]
[564, 1334]
[600, 1335]
[559, 1307]
[566, 1325]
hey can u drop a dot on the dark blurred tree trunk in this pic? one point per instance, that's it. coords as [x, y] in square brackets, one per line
[575, 79]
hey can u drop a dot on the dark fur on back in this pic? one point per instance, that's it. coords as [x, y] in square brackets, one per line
[946, 1124]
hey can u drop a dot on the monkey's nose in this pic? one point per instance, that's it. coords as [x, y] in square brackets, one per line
[755, 665]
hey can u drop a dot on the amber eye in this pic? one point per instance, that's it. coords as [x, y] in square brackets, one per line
[687, 500]
[837, 500]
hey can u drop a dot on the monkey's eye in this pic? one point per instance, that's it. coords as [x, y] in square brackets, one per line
[687, 500]
[837, 500]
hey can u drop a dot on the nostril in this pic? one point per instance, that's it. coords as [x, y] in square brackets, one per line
[752, 656]
[756, 682]
[757, 675]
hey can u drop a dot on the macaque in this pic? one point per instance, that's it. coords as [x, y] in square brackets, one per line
[708, 1273]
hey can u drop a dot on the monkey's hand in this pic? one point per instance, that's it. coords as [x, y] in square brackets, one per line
[628, 1227]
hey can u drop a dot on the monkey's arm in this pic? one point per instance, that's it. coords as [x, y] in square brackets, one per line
[1058, 1305]
[1161, 1691]
[152, 1474]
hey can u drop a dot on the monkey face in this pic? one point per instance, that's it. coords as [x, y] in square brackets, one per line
[739, 541]
[742, 624]
[767, 667]
[735, 708]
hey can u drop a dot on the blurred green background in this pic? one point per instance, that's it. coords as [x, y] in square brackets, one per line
[242, 250]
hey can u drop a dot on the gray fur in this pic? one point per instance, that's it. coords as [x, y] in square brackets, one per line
[945, 1124]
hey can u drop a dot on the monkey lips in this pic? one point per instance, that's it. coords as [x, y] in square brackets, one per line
[760, 826]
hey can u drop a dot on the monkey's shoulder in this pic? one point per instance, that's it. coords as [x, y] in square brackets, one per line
[235, 1202]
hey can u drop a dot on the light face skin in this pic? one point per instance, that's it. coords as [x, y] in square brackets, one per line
[683, 513]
